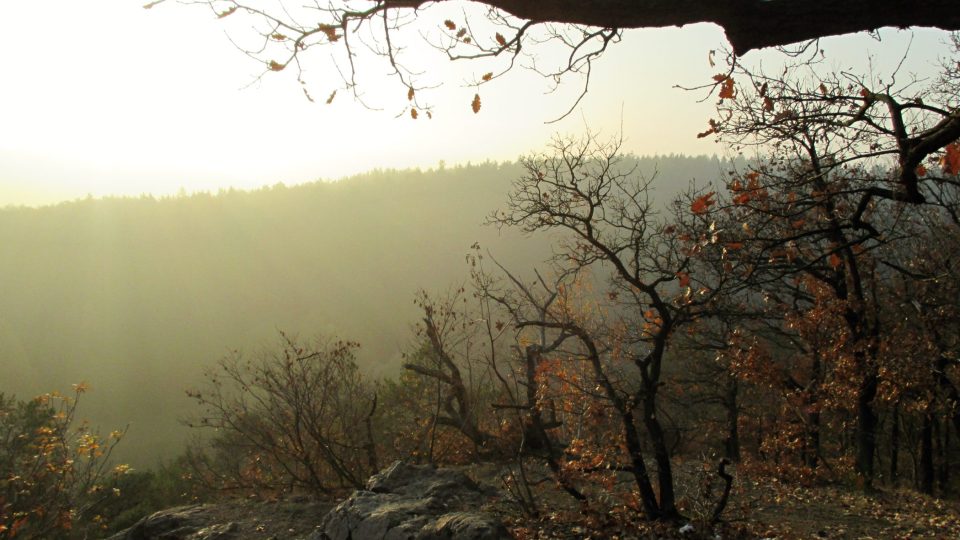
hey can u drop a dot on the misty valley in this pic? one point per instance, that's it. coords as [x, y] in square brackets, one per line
[718, 300]
[563, 330]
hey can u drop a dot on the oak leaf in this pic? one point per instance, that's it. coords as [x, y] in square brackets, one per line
[703, 203]
[742, 198]
[950, 161]
[330, 31]
[475, 104]
[713, 129]
[727, 90]
[835, 261]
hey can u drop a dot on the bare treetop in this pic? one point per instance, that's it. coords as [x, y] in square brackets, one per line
[508, 33]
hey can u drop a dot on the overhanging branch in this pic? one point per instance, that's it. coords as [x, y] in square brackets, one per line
[749, 24]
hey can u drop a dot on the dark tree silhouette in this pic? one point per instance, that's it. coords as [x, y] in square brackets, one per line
[503, 31]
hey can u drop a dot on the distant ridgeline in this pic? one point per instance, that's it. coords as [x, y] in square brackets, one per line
[137, 295]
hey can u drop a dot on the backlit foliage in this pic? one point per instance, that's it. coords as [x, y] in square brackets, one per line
[55, 472]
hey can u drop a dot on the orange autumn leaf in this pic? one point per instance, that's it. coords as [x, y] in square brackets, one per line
[727, 90]
[713, 129]
[835, 261]
[475, 104]
[487, 76]
[703, 203]
[275, 66]
[450, 24]
[921, 170]
[330, 31]
[17, 525]
[413, 114]
[950, 161]
[684, 279]
[501, 40]
[742, 198]
[410, 94]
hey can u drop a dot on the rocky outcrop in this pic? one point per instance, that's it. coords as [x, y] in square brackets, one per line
[181, 523]
[407, 502]
[404, 502]
[233, 520]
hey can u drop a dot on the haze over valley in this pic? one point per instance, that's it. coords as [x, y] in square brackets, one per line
[136, 296]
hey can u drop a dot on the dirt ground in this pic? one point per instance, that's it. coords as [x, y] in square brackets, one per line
[765, 509]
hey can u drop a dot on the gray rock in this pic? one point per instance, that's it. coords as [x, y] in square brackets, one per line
[413, 502]
[403, 502]
[180, 523]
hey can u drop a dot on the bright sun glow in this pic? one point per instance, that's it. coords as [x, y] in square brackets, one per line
[108, 98]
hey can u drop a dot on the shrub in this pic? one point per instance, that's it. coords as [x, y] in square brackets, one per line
[299, 418]
[54, 472]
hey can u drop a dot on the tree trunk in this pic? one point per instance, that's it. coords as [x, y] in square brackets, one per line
[668, 508]
[731, 443]
[866, 428]
[943, 444]
[926, 454]
[812, 457]
[540, 439]
[895, 444]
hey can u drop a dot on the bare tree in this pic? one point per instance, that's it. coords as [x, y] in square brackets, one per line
[297, 418]
[843, 158]
[609, 223]
[505, 31]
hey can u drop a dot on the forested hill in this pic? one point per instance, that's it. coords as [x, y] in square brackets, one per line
[136, 295]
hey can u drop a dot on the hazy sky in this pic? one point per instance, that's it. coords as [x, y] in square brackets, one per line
[103, 97]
